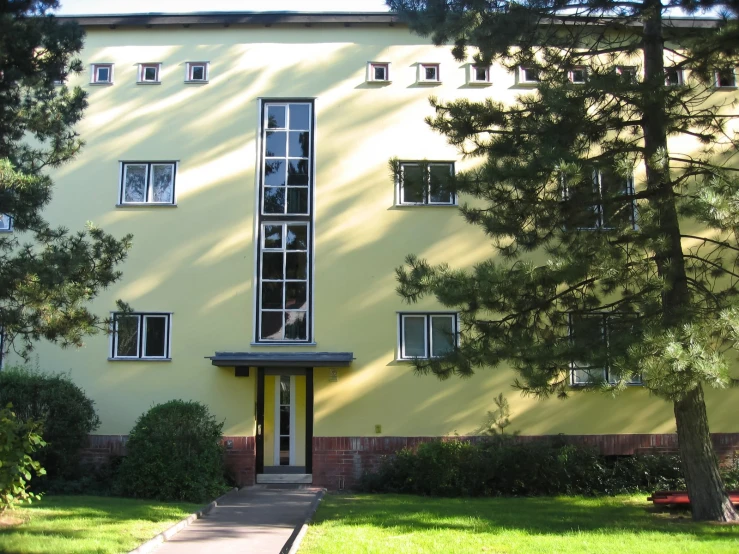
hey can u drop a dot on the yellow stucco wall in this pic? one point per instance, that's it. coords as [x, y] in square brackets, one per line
[197, 260]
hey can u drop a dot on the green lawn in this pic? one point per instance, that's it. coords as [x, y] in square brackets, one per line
[88, 524]
[622, 524]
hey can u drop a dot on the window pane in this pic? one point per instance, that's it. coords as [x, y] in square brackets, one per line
[273, 236]
[439, 183]
[150, 74]
[127, 336]
[296, 266]
[578, 75]
[297, 237]
[284, 451]
[588, 340]
[271, 325]
[272, 265]
[299, 144]
[4, 222]
[430, 73]
[413, 184]
[274, 200]
[285, 398]
[297, 200]
[587, 376]
[276, 117]
[163, 182]
[481, 73]
[297, 172]
[274, 173]
[134, 186]
[414, 337]
[276, 146]
[442, 335]
[156, 336]
[103, 74]
[198, 73]
[272, 296]
[285, 414]
[295, 326]
[380, 73]
[300, 116]
[530, 74]
[295, 296]
[617, 208]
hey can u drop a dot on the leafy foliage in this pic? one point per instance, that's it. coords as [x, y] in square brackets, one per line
[18, 440]
[47, 274]
[174, 453]
[63, 408]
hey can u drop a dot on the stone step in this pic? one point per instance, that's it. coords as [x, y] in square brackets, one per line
[287, 478]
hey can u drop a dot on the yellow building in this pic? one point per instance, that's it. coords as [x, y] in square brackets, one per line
[248, 155]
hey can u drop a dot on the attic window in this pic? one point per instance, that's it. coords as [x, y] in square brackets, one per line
[673, 77]
[577, 75]
[378, 72]
[479, 75]
[725, 78]
[197, 72]
[149, 73]
[101, 74]
[528, 76]
[428, 73]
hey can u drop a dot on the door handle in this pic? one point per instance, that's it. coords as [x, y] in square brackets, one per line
[259, 429]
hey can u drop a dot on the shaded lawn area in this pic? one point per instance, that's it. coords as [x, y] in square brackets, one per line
[622, 524]
[88, 524]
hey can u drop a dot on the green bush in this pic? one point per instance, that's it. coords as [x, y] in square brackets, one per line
[67, 414]
[174, 453]
[18, 440]
[504, 466]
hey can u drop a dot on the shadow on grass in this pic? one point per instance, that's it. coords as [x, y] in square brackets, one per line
[534, 516]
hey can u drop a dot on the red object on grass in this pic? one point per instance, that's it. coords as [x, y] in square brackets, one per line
[681, 497]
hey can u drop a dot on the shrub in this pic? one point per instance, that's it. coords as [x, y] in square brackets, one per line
[18, 440]
[174, 453]
[67, 414]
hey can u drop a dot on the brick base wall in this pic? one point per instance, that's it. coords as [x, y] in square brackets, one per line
[339, 462]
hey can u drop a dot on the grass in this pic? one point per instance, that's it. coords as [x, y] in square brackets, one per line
[613, 525]
[88, 524]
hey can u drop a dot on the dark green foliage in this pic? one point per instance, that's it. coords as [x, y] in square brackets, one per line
[46, 280]
[504, 466]
[66, 413]
[174, 453]
[18, 441]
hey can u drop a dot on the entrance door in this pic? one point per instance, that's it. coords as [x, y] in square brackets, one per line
[284, 422]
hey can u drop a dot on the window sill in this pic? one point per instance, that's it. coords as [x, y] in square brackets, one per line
[139, 359]
[479, 84]
[196, 82]
[6, 230]
[148, 82]
[428, 83]
[379, 83]
[733, 87]
[145, 205]
[426, 206]
[101, 84]
[283, 343]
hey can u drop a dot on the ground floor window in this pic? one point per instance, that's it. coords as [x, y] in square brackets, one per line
[426, 335]
[141, 336]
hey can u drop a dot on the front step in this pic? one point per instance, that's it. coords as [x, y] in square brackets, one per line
[285, 478]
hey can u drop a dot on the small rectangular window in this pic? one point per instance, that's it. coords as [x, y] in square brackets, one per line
[147, 183]
[141, 336]
[479, 75]
[424, 336]
[378, 72]
[577, 75]
[149, 73]
[425, 183]
[428, 73]
[101, 74]
[627, 72]
[6, 223]
[528, 76]
[725, 78]
[673, 77]
[197, 72]
[602, 207]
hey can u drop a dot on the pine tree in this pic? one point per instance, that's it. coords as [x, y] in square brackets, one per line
[47, 274]
[610, 194]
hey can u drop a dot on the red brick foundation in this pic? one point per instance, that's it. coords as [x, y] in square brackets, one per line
[339, 462]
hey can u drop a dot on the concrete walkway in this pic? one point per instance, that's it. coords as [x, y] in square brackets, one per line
[257, 520]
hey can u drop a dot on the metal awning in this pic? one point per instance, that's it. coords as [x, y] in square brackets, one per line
[282, 359]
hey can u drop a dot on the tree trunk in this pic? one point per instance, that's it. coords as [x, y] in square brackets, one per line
[708, 498]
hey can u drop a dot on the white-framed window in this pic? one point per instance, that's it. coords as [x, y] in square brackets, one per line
[141, 336]
[196, 72]
[425, 183]
[479, 75]
[674, 77]
[627, 72]
[426, 335]
[101, 74]
[6, 223]
[577, 75]
[591, 332]
[147, 183]
[725, 78]
[284, 279]
[149, 73]
[528, 76]
[429, 73]
[601, 213]
[378, 72]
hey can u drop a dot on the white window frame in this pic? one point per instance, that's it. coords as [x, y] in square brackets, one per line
[157, 66]
[717, 78]
[371, 72]
[522, 80]
[399, 185]
[9, 228]
[598, 208]
[571, 74]
[149, 189]
[141, 331]
[189, 66]
[94, 76]
[427, 333]
[680, 76]
[422, 79]
[472, 79]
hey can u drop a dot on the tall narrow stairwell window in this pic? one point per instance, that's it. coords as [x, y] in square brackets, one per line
[284, 272]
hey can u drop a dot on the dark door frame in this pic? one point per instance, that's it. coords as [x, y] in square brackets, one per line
[309, 392]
